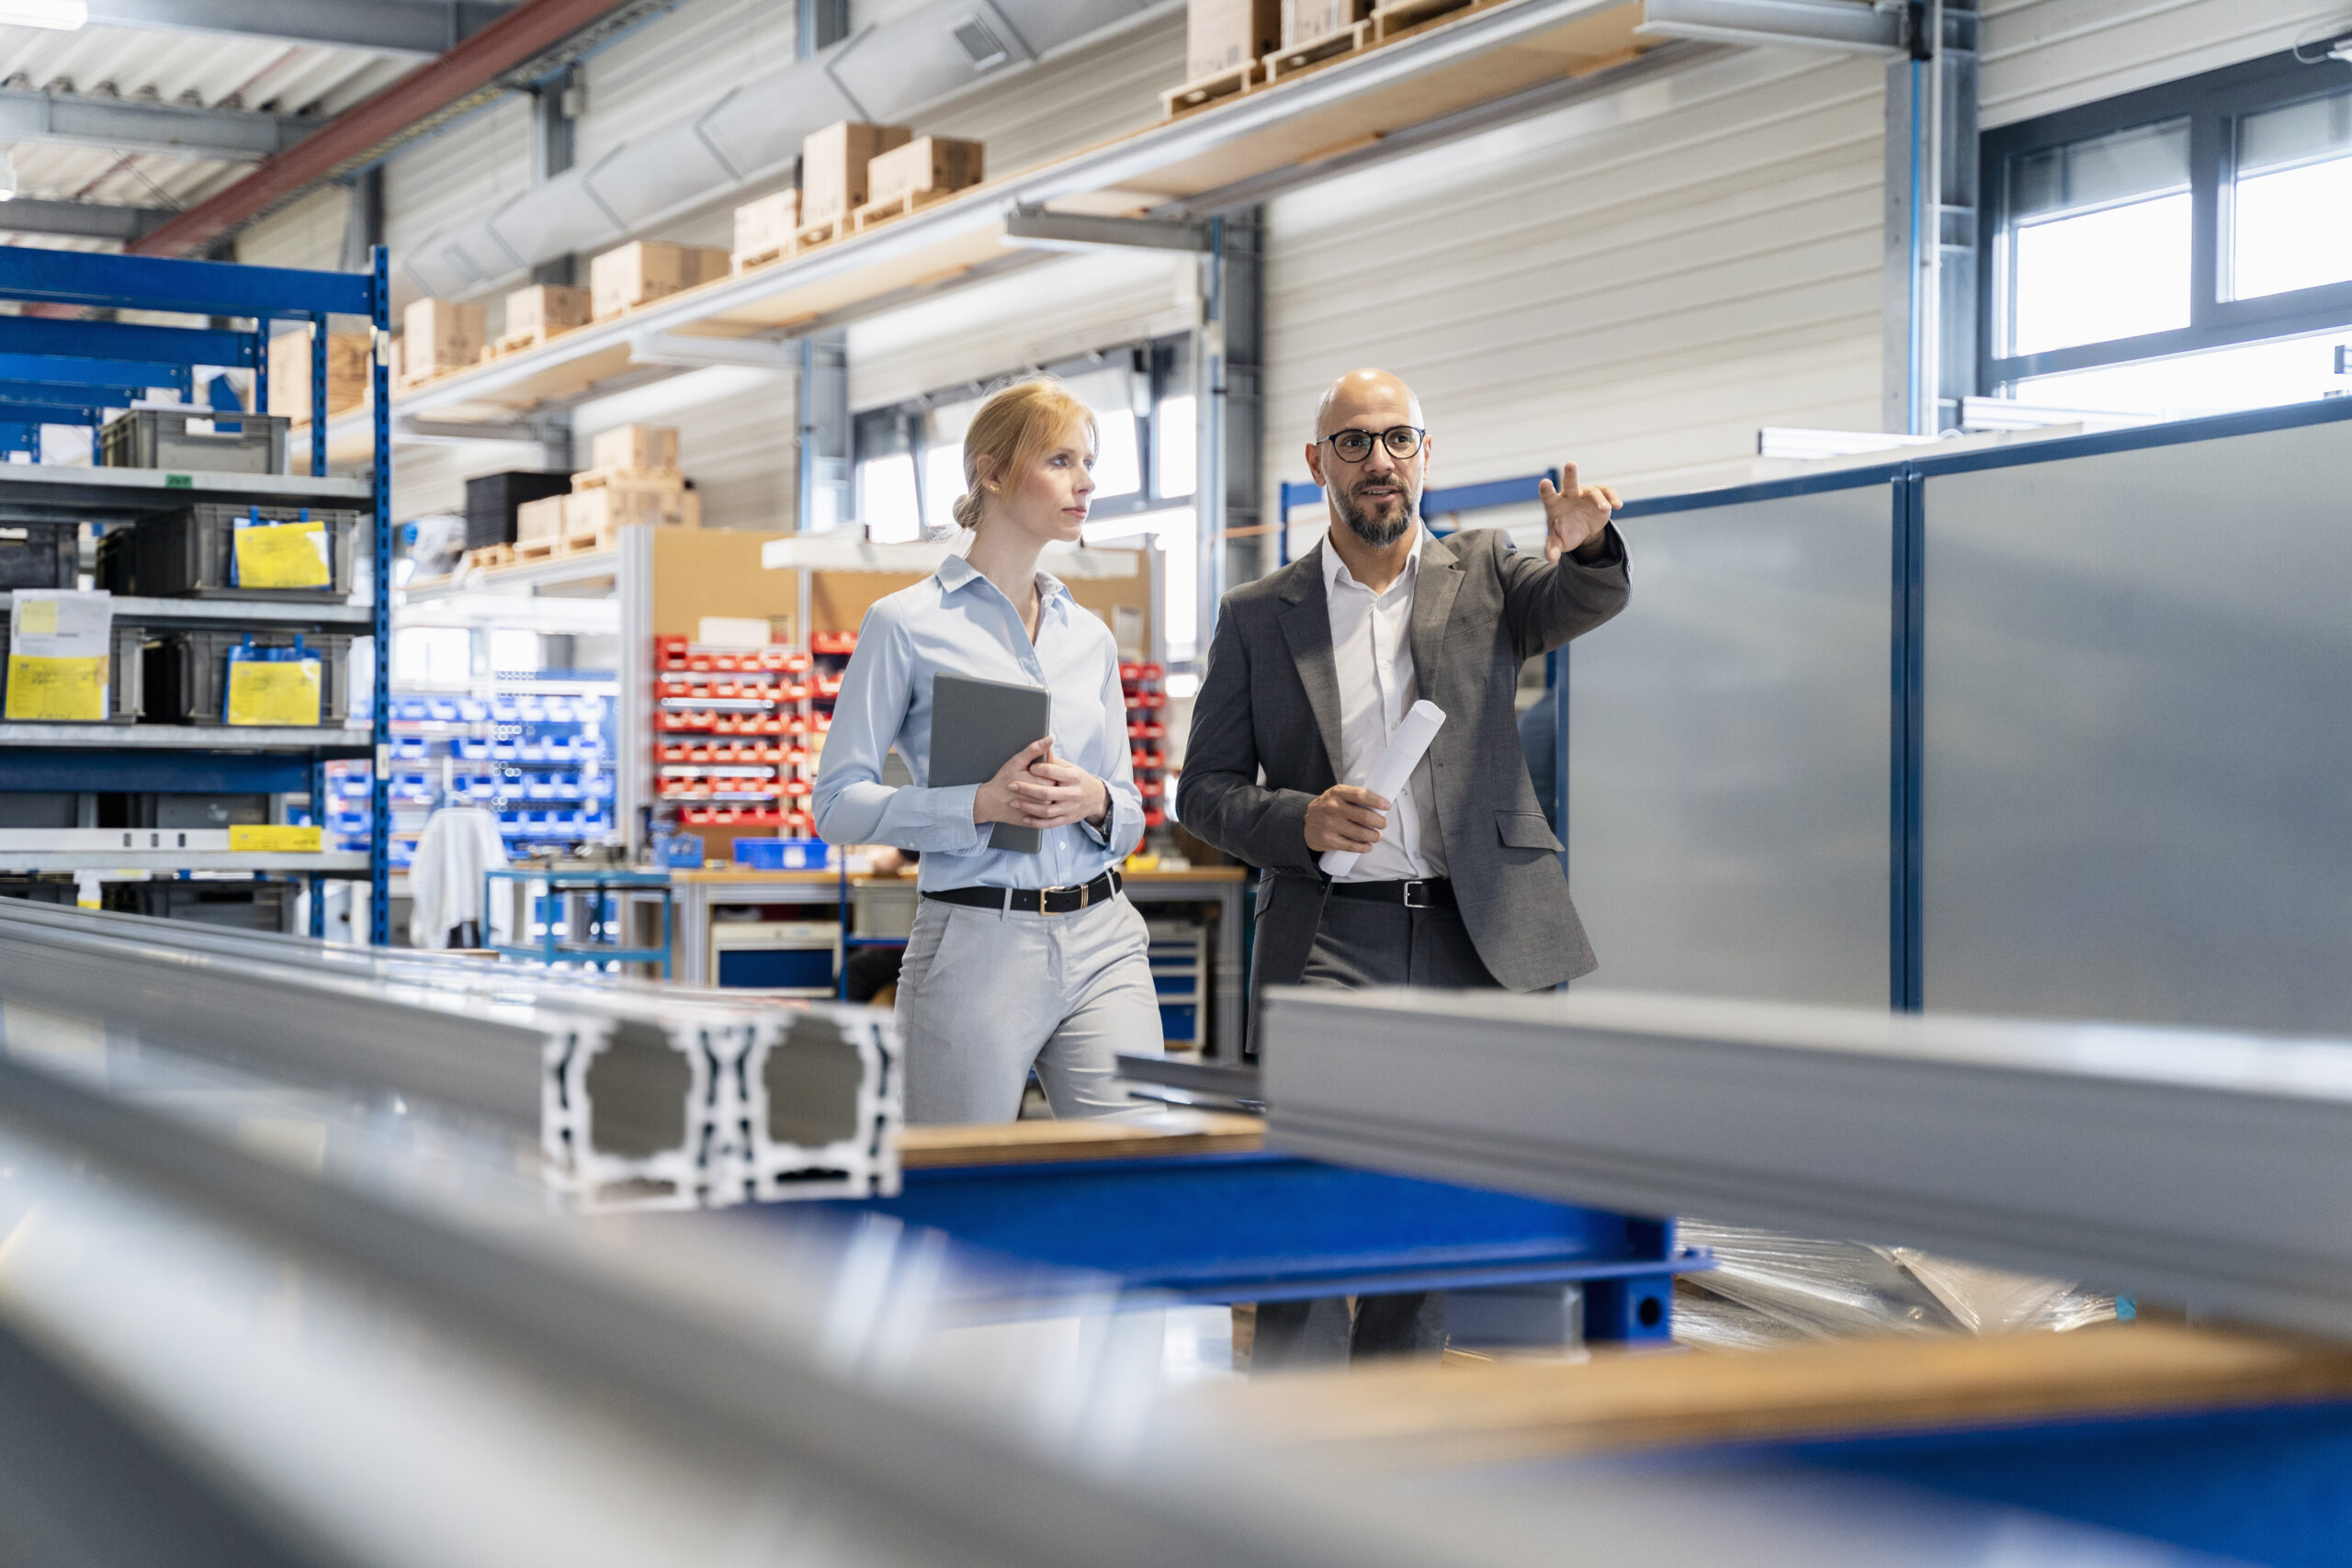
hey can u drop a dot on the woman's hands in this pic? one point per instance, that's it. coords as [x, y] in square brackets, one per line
[1036, 789]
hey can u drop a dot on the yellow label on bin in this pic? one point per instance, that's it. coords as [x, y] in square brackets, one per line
[283, 555]
[57, 691]
[273, 690]
[275, 838]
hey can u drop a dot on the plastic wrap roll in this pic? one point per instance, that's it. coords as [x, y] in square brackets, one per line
[1392, 768]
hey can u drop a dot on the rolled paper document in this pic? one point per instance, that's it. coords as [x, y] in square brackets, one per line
[1391, 769]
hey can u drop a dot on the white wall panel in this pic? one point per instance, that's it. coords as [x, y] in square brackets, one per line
[1090, 94]
[1047, 311]
[307, 233]
[2044, 55]
[454, 178]
[1639, 281]
[677, 64]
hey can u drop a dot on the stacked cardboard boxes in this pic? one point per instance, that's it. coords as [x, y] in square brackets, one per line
[350, 372]
[834, 165]
[918, 172]
[634, 479]
[645, 270]
[541, 311]
[763, 228]
[442, 335]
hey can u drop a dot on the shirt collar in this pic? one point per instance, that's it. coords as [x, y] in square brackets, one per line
[956, 573]
[1334, 569]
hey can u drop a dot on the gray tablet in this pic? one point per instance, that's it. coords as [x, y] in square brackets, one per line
[976, 728]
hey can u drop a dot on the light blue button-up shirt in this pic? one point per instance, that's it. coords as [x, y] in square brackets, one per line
[956, 620]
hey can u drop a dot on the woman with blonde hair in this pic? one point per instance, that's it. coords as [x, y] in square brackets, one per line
[1016, 960]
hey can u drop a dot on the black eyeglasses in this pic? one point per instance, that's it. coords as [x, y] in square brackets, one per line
[1356, 446]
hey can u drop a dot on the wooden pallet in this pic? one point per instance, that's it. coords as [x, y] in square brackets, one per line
[1399, 18]
[488, 557]
[1349, 40]
[1245, 77]
[651, 479]
[554, 544]
[906, 206]
[518, 343]
[744, 261]
[824, 233]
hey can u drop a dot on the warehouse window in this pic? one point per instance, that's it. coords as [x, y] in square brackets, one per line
[2179, 250]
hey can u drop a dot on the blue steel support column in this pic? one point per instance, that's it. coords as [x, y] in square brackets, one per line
[1907, 726]
[380, 806]
[318, 394]
[318, 819]
[261, 373]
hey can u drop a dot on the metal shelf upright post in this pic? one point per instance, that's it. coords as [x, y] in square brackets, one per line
[71, 372]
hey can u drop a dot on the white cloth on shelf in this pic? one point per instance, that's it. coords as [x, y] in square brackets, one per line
[460, 843]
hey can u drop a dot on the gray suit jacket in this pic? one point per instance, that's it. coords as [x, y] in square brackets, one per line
[1266, 729]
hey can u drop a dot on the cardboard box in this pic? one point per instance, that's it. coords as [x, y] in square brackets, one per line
[833, 167]
[763, 228]
[1304, 21]
[544, 310]
[635, 449]
[1220, 35]
[545, 519]
[645, 270]
[926, 164]
[442, 336]
[350, 372]
[627, 501]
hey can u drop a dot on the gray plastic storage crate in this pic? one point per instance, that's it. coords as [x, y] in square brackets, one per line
[222, 443]
[191, 553]
[186, 672]
[125, 672]
[40, 555]
[241, 906]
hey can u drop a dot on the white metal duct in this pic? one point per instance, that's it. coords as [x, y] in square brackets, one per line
[888, 71]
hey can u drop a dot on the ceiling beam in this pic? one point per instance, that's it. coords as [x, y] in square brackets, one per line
[83, 219]
[418, 27]
[132, 125]
[472, 69]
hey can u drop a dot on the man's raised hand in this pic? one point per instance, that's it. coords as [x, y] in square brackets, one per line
[1575, 516]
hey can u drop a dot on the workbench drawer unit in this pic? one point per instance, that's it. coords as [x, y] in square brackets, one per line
[1180, 969]
[201, 440]
[124, 675]
[191, 553]
[186, 672]
[41, 555]
[801, 958]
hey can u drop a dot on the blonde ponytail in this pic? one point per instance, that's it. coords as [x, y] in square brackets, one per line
[1010, 433]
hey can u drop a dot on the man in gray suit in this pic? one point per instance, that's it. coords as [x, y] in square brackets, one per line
[1311, 671]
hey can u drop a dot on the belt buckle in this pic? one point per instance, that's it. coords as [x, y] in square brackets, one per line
[1415, 885]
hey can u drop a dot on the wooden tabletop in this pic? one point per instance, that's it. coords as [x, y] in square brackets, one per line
[1140, 1134]
[1422, 1413]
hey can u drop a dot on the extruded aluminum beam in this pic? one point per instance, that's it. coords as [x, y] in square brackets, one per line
[1033, 228]
[2203, 1170]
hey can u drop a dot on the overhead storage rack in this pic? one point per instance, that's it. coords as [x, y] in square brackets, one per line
[1497, 56]
[58, 370]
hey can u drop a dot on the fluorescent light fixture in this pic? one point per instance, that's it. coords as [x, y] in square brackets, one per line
[64, 16]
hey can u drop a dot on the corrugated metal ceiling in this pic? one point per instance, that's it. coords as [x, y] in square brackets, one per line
[193, 69]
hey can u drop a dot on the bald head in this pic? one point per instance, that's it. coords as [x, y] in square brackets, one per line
[1366, 399]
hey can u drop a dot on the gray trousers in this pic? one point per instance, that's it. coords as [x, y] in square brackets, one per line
[1360, 944]
[985, 995]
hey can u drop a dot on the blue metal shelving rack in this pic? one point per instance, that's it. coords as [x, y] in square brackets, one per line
[71, 372]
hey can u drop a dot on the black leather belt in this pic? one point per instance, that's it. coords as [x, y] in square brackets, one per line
[1435, 893]
[1033, 900]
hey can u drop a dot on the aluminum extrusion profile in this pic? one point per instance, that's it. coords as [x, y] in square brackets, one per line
[635, 1098]
[822, 1096]
[2194, 1167]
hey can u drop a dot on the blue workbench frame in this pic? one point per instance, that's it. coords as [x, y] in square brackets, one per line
[60, 371]
[1265, 1227]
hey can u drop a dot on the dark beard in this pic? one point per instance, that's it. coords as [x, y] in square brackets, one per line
[1380, 536]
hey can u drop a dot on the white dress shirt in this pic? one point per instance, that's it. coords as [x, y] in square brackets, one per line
[1378, 686]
